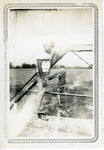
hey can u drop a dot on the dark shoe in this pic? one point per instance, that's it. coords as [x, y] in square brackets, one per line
[42, 116]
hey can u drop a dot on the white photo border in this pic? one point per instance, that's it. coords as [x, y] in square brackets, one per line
[96, 68]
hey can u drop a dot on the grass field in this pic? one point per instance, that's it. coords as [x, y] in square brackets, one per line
[18, 77]
[79, 81]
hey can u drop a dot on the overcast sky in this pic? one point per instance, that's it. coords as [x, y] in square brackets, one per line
[29, 29]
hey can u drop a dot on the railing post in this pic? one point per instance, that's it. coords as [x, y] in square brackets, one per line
[58, 98]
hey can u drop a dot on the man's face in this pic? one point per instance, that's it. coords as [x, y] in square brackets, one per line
[48, 47]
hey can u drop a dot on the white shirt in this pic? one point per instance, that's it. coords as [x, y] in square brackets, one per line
[46, 58]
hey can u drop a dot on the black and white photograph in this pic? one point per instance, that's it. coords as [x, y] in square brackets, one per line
[52, 74]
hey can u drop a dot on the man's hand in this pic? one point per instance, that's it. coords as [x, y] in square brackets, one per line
[44, 83]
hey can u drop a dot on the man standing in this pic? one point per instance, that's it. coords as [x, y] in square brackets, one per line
[44, 63]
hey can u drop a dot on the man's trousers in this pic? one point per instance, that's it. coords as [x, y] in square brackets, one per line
[53, 73]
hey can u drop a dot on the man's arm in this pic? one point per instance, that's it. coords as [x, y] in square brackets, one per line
[56, 57]
[39, 64]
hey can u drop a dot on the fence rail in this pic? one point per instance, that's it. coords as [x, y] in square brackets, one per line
[69, 94]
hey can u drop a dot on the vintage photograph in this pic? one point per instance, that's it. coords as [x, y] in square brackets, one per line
[51, 73]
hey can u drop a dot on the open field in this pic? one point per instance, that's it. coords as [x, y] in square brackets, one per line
[79, 81]
[18, 77]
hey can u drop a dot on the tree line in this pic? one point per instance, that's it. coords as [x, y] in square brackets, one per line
[23, 66]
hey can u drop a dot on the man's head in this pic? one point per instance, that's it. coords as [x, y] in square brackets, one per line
[48, 46]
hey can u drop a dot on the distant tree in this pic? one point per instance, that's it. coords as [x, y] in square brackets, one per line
[24, 65]
[11, 65]
[33, 66]
[17, 67]
[62, 66]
